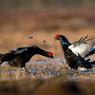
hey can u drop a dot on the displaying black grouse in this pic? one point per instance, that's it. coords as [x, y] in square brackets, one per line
[20, 56]
[74, 61]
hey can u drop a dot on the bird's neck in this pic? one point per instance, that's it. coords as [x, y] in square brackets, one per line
[64, 44]
[36, 50]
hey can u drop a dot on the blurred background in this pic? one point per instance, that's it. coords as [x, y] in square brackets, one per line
[43, 19]
[26, 5]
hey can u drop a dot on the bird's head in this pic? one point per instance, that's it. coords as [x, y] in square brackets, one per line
[57, 36]
[63, 39]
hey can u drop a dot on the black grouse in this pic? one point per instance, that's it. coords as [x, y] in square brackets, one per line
[74, 61]
[20, 56]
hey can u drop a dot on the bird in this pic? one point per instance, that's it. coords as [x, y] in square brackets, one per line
[74, 61]
[20, 56]
[82, 46]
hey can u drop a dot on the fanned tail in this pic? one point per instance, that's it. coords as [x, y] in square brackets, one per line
[91, 52]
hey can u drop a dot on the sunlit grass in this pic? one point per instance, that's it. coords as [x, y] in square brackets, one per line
[43, 71]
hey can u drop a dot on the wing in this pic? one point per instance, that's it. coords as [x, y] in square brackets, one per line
[18, 50]
[85, 39]
[82, 46]
[81, 49]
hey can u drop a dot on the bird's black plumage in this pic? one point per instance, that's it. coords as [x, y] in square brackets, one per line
[92, 51]
[20, 56]
[72, 59]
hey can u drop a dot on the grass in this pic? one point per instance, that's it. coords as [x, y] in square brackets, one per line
[43, 71]
[38, 71]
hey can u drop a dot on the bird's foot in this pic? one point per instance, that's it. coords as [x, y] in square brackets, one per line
[77, 72]
[28, 72]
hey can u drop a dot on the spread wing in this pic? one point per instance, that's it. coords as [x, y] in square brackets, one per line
[83, 46]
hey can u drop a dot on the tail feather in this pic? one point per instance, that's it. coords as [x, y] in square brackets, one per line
[91, 52]
[85, 63]
[93, 63]
[88, 66]
[1, 55]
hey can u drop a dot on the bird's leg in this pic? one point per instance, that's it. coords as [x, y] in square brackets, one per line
[29, 73]
[27, 70]
[77, 72]
[70, 71]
